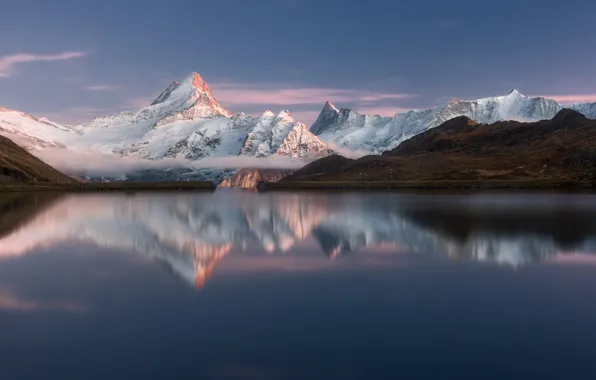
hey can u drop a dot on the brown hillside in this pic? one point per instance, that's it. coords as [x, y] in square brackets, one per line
[17, 167]
[560, 149]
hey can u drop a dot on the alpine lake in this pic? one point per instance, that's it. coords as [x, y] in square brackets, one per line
[298, 285]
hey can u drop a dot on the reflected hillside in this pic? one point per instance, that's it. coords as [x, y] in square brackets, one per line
[191, 233]
[516, 232]
[17, 209]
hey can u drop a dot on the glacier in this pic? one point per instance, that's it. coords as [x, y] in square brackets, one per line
[346, 128]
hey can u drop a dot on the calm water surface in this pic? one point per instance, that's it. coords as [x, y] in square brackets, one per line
[236, 285]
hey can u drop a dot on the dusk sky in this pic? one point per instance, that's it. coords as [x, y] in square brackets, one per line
[73, 60]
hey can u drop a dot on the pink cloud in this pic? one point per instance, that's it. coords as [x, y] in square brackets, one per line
[9, 302]
[569, 99]
[102, 87]
[381, 110]
[8, 62]
[236, 93]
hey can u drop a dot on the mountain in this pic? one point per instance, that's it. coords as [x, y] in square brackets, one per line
[31, 132]
[372, 133]
[562, 149]
[18, 167]
[248, 178]
[184, 121]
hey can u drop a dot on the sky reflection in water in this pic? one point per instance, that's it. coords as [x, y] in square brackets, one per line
[297, 286]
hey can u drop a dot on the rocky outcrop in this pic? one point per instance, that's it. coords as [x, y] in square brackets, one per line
[249, 178]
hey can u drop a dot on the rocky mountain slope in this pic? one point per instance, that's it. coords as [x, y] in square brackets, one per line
[561, 149]
[372, 133]
[248, 178]
[17, 167]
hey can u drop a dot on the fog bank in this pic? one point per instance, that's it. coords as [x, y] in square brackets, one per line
[93, 163]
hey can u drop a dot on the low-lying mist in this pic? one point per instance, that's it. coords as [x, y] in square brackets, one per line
[93, 163]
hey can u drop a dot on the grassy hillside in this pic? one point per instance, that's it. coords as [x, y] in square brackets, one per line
[19, 167]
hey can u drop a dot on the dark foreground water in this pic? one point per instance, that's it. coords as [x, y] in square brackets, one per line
[298, 286]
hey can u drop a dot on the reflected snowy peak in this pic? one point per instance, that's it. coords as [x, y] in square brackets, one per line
[191, 233]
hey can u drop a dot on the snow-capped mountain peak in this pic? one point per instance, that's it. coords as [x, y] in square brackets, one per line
[195, 99]
[349, 129]
[328, 116]
[329, 107]
[176, 89]
[283, 136]
[284, 113]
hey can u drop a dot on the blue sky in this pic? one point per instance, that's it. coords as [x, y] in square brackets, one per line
[76, 59]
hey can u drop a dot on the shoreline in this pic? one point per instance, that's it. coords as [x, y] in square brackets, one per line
[422, 185]
[110, 186]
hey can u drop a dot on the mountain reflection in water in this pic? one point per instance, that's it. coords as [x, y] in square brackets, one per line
[191, 233]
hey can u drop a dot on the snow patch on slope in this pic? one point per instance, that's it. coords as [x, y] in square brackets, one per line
[30, 132]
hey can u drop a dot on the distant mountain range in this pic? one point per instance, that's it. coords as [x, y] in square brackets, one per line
[556, 151]
[372, 133]
[187, 121]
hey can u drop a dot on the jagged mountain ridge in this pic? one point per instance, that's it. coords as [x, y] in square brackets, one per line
[560, 150]
[184, 121]
[372, 133]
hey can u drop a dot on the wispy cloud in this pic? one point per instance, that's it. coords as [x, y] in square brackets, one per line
[381, 110]
[95, 163]
[286, 95]
[306, 102]
[8, 62]
[102, 87]
[8, 301]
[572, 98]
